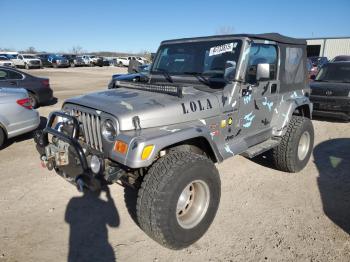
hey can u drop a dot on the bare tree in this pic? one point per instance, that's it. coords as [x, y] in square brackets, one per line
[30, 50]
[146, 54]
[77, 50]
[225, 30]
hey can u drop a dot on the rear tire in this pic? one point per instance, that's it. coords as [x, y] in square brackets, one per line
[294, 151]
[178, 199]
[33, 100]
[2, 137]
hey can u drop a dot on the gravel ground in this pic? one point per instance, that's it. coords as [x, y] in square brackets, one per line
[264, 214]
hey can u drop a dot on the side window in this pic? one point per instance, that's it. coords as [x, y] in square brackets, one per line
[3, 74]
[294, 67]
[12, 75]
[261, 54]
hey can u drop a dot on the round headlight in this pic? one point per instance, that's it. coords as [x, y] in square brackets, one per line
[109, 130]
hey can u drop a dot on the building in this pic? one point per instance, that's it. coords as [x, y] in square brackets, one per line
[328, 46]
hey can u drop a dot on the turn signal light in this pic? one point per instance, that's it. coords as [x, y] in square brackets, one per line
[146, 152]
[121, 147]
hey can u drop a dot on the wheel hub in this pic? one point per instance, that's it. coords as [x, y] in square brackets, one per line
[304, 145]
[192, 204]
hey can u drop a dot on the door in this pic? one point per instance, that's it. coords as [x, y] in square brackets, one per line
[18, 60]
[7, 78]
[258, 97]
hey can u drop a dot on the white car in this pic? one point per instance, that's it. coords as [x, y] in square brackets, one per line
[4, 61]
[27, 61]
[124, 60]
[92, 60]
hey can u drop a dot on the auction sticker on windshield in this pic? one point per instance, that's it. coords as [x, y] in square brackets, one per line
[216, 50]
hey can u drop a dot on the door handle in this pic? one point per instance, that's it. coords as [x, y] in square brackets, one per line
[13, 83]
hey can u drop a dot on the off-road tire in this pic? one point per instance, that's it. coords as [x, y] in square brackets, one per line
[33, 100]
[2, 137]
[160, 191]
[285, 155]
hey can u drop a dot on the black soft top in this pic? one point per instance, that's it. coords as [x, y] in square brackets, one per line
[267, 36]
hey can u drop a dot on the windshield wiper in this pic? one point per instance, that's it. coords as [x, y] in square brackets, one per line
[165, 74]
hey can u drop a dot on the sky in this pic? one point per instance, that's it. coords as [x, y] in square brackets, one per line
[135, 26]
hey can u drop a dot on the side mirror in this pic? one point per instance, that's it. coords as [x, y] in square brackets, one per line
[262, 72]
[230, 71]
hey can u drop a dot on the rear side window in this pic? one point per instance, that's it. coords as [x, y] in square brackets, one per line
[3, 74]
[294, 67]
[261, 54]
[14, 75]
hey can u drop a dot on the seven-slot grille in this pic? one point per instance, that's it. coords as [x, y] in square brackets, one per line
[91, 128]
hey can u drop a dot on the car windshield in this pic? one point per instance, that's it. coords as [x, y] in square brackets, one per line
[204, 58]
[338, 72]
[29, 57]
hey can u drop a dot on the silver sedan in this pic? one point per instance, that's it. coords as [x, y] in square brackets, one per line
[16, 114]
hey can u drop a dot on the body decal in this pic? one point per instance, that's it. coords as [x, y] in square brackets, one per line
[249, 119]
[267, 103]
[165, 128]
[228, 149]
[198, 105]
[247, 99]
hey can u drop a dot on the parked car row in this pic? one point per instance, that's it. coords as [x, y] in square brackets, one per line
[29, 61]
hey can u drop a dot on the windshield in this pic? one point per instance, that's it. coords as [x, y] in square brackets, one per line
[205, 58]
[338, 72]
[29, 57]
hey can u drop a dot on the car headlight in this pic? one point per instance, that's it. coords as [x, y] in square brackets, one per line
[109, 130]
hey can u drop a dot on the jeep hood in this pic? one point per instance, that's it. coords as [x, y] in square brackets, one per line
[153, 109]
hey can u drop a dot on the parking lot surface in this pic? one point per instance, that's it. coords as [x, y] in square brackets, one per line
[264, 214]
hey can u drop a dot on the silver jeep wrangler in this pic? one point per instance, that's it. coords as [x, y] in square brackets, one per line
[204, 100]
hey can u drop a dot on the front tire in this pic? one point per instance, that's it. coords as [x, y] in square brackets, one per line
[178, 199]
[294, 151]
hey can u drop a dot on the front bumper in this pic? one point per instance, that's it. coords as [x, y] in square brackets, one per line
[42, 141]
[338, 107]
[78, 154]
